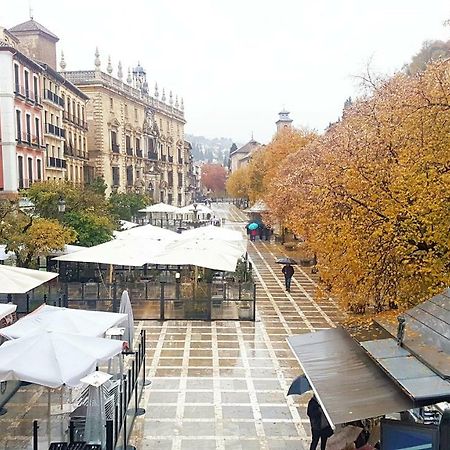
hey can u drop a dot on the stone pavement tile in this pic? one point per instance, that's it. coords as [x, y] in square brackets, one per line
[200, 353]
[198, 412]
[235, 397]
[163, 372]
[161, 412]
[165, 383]
[264, 385]
[162, 397]
[232, 372]
[172, 353]
[230, 384]
[271, 397]
[199, 397]
[198, 444]
[157, 428]
[195, 372]
[229, 353]
[275, 412]
[200, 362]
[236, 428]
[231, 362]
[237, 412]
[263, 373]
[282, 429]
[260, 362]
[152, 444]
[169, 362]
[199, 383]
[196, 428]
[284, 444]
[237, 443]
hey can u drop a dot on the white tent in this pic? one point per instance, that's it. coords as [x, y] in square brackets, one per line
[17, 280]
[74, 321]
[218, 233]
[121, 252]
[147, 232]
[54, 359]
[209, 253]
[160, 208]
[125, 308]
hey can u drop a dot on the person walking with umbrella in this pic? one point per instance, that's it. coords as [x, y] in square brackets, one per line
[288, 272]
[320, 428]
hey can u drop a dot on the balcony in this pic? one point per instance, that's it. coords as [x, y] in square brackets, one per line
[26, 94]
[56, 99]
[139, 153]
[129, 151]
[56, 163]
[171, 159]
[163, 158]
[78, 121]
[153, 156]
[115, 148]
[54, 130]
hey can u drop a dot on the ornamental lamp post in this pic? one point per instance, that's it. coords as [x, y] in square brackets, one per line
[61, 205]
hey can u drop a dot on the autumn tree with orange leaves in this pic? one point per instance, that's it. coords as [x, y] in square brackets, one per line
[372, 195]
[213, 178]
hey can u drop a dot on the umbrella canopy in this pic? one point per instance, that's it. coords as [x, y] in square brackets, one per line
[125, 225]
[147, 232]
[54, 359]
[121, 252]
[210, 253]
[125, 308]
[212, 232]
[68, 249]
[299, 386]
[74, 321]
[252, 226]
[286, 260]
[17, 280]
[160, 208]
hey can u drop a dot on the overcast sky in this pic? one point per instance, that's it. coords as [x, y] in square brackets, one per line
[237, 63]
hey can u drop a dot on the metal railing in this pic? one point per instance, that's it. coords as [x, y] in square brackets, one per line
[55, 130]
[54, 98]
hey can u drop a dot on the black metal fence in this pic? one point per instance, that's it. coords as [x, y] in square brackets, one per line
[157, 300]
[127, 407]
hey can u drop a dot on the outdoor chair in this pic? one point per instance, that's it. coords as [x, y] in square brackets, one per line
[58, 446]
[77, 446]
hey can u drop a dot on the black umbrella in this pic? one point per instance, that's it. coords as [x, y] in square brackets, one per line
[286, 260]
[299, 386]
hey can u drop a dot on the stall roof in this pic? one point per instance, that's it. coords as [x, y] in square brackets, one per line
[427, 332]
[347, 382]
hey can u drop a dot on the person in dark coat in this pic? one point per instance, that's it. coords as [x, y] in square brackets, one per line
[288, 272]
[320, 428]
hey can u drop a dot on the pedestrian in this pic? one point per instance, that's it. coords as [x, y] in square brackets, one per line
[261, 231]
[320, 428]
[253, 234]
[288, 271]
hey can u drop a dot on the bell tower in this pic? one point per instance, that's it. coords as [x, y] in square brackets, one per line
[284, 120]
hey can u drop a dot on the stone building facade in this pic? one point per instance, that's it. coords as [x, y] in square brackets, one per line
[135, 140]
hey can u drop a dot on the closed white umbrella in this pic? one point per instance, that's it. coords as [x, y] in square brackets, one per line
[54, 359]
[17, 280]
[73, 321]
[160, 208]
[210, 253]
[125, 308]
[121, 252]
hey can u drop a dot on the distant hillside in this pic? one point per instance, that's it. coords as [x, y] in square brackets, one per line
[209, 150]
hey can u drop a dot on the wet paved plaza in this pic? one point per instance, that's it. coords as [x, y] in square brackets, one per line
[216, 385]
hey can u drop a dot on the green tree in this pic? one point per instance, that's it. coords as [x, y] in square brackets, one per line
[125, 206]
[91, 228]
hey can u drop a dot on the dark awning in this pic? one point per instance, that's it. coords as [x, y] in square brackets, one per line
[347, 383]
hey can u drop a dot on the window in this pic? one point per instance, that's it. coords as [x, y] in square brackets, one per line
[30, 170]
[82, 113]
[129, 175]
[135, 114]
[68, 107]
[36, 90]
[28, 125]
[111, 102]
[20, 171]
[27, 83]
[114, 145]
[37, 127]
[128, 145]
[39, 169]
[19, 126]
[116, 176]
[16, 78]
[138, 144]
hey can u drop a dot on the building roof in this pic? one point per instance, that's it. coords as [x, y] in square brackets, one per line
[33, 26]
[249, 147]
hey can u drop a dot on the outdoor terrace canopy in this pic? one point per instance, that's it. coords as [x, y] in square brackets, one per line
[347, 382]
[17, 280]
[160, 208]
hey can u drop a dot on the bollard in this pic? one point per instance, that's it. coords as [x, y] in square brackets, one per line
[35, 434]
[109, 435]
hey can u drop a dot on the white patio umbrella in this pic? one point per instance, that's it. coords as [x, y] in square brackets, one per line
[147, 232]
[160, 208]
[54, 359]
[210, 253]
[125, 308]
[4, 255]
[126, 225]
[217, 233]
[74, 321]
[121, 252]
[17, 280]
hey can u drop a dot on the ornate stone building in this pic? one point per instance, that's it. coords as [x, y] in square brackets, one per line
[135, 140]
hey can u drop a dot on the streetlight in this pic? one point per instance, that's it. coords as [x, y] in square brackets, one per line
[61, 205]
[195, 215]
